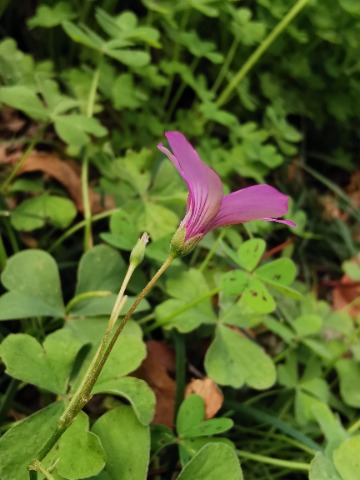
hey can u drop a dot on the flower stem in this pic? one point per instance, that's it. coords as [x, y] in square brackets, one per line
[212, 251]
[84, 296]
[85, 165]
[79, 226]
[257, 54]
[225, 65]
[175, 57]
[279, 462]
[83, 393]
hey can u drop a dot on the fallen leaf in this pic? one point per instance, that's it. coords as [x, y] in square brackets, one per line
[347, 295]
[209, 391]
[58, 169]
[155, 369]
[10, 120]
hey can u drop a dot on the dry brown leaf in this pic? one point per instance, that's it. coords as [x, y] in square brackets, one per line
[209, 391]
[155, 370]
[10, 121]
[347, 292]
[58, 169]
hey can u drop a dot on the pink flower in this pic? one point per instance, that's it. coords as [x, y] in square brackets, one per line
[207, 207]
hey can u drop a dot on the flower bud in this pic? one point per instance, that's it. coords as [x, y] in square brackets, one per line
[138, 252]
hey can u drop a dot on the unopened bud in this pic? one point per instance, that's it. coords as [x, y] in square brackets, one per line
[138, 252]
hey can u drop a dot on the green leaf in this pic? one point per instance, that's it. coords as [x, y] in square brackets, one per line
[234, 282]
[250, 253]
[33, 281]
[257, 298]
[352, 269]
[136, 391]
[191, 412]
[347, 459]
[235, 360]
[37, 211]
[329, 423]
[306, 325]
[213, 461]
[350, 6]
[125, 94]
[321, 468]
[281, 271]
[124, 233]
[134, 168]
[210, 427]
[75, 129]
[101, 268]
[80, 452]
[191, 306]
[24, 99]
[126, 443]
[125, 357]
[48, 17]
[79, 35]
[349, 376]
[131, 58]
[20, 444]
[48, 366]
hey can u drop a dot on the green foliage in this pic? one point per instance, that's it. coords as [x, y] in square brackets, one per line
[126, 443]
[97, 86]
[211, 462]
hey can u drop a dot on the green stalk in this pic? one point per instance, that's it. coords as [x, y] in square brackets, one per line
[180, 91]
[225, 65]
[257, 54]
[183, 309]
[274, 461]
[180, 349]
[84, 296]
[85, 164]
[212, 251]
[83, 393]
[3, 254]
[79, 226]
[175, 57]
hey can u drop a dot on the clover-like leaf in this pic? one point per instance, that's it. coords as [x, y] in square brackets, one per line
[211, 462]
[80, 452]
[135, 391]
[126, 443]
[191, 306]
[250, 252]
[37, 211]
[48, 366]
[233, 359]
[19, 444]
[33, 281]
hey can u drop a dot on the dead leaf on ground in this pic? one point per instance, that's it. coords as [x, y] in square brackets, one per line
[10, 121]
[347, 292]
[155, 369]
[209, 391]
[58, 169]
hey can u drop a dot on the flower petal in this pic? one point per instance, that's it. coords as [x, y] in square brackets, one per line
[205, 188]
[260, 202]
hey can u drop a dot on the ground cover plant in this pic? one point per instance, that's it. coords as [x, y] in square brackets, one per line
[140, 336]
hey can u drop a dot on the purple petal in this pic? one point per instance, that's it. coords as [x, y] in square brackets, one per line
[260, 202]
[205, 188]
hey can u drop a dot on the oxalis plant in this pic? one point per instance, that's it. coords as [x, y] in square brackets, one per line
[207, 209]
